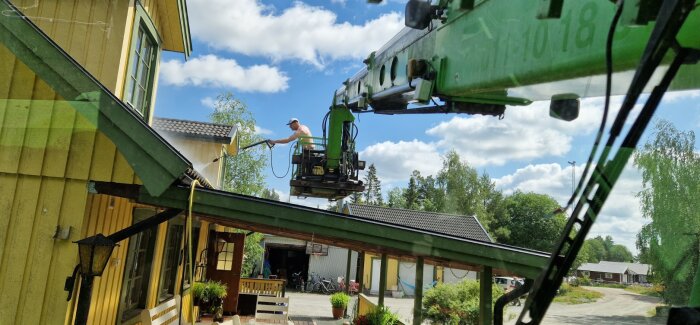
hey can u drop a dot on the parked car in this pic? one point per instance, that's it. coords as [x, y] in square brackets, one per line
[507, 283]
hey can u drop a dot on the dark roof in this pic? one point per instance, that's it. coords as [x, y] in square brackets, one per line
[449, 224]
[195, 129]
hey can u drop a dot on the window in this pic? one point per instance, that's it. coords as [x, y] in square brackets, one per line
[143, 56]
[608, 275]
[137, 270]
[224, 260]
[171, 259]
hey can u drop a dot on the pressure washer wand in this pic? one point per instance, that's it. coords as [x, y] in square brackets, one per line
[267, 141]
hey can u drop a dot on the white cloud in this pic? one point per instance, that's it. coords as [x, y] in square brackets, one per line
[524, 134]
[212, 71]
[620, 217]
[340, 2]
[301, 32]
[208, 102]
[396, 160]
[677, 96]
[262, 131]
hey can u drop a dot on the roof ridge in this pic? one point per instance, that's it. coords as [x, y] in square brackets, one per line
[417, 211]
[191, 121]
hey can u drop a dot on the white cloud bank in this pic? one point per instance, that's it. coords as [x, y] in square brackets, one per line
[301, 32]
[212, 71]
[396, 160]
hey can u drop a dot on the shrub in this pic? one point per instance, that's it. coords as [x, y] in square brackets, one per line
[377, 316]
[564, 289]
[340, 300]
[455, 303]
[584, 281]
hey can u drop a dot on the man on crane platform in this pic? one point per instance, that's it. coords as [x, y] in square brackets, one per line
[300, 130]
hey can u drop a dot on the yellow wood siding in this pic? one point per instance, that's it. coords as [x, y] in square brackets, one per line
[392, 272]
[91, 31]
[201, 154]
[106, 215]
[33, 265]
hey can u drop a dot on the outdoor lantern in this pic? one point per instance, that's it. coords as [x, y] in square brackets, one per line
[220, 244]
[94, 254]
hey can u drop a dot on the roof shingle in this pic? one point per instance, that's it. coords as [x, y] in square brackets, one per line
[449, 224]
[195, 129]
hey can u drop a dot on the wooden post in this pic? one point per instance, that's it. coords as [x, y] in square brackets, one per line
[347, 272]
[360, 274]
[382, 280]
[418, 292]
[485, 296]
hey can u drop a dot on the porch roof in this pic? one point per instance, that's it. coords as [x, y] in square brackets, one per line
[347, 231]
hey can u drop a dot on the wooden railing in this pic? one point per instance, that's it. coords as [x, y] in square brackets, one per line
[264, 287]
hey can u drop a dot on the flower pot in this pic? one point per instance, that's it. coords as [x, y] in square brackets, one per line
[338, 312]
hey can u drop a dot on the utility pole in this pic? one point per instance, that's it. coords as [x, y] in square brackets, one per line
[573, 175]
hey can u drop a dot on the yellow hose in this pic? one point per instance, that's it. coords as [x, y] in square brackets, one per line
[189, 247]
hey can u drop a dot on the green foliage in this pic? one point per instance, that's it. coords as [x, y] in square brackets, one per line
[530, 221]
[670, 166]
[270, 194]
[207, 291]
[654, 291]
[243, 173]
[377, 316]
[339, 300]
[373, 187]
[253, 252]
[455, 303]
[576, 295]
[584, 281]
[396, 198]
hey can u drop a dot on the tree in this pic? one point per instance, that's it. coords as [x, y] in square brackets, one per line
[243, 173]
[270, 194]
[395, 198]
[465, 192]
[620, 253]
[670, 167]
[530, 221]
[411, 193]
[373, 187]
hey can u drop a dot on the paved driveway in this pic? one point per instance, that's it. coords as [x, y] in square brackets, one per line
[616, 307]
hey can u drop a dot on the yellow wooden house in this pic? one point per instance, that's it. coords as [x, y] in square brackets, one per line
[65, 68]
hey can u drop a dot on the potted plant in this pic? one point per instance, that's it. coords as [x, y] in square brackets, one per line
[339, 301]
[209, 296]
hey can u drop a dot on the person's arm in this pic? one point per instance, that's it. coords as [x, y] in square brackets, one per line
[291, 138]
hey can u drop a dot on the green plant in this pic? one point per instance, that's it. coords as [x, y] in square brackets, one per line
[208, 292]
[377, 316]
[584, 281]
[576, 295]
[455, 303]
[340, 300]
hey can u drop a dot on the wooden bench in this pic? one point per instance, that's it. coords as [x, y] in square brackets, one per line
[272, 309]
[163, 314]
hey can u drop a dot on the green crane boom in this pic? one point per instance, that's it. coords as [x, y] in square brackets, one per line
[478, 56]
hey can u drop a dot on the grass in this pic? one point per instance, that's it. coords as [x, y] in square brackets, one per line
[654, 291]
[576, 295]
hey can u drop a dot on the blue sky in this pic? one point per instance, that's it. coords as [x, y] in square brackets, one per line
[285, 59]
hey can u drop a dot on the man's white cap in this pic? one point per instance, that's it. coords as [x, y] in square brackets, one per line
[292, 120]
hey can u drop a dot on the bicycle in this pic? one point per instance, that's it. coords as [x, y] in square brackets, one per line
[298, 281]
[321, 285]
